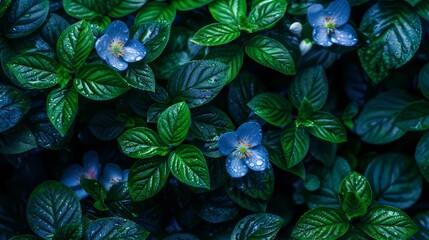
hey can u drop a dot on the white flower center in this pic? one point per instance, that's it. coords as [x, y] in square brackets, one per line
[116, 47]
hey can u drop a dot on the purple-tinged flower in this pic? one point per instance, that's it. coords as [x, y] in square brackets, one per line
[244, 150]
[113, 174]
[115, 48]
[73, 174]
[330, 24]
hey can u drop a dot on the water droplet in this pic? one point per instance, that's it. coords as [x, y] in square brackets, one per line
[259, 162]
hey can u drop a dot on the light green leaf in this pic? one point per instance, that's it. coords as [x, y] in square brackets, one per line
[216, 34]
[140, 76]
[34, 70]
[321, 223]
[257, 226]
[189, 166]
[85, 9]
[272, 107]
[355, 194]
[414, 116]
[228, 11]
[115, 228]
[173, 124]
[155, 11]
[99, 82]
[154, 35]
[61, 107]
[270, 53]
[326, 126]
[121, 8]
[142, 142]
[295, 143]
[185, 5]
[385, 222]
[74, 45]
[265, 14]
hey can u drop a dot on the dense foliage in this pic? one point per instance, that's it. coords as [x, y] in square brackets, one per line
[214, 119]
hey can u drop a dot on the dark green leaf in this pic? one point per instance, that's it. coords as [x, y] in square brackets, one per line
[231, 55]
[99, 82]
[385, 222]
[154, 36]
[140, 76]
[355, 194]
[115, 228]
[326, 126]
[47, 212]
[94, 188]
[272, 107]
[422, 221]
[70, 231]
[61, 106]
[375, 123]
[305, 110]
[189, 166]
[257, 226]
[414, 116]
[422, 9]
[35, 70]
[422, 156]
[271, 53]
[423, 81]
[173, 124]
[18, 139]
[155, 11]
[244, 200]
[121, 8]
[209, 123]
[119, 201]
[321, 223]
[74, 45]
[310, 83]
[259, 185]
[323, 151]
[393, 33]
[25, 237]
[395, 180]
[295, 143]
[228, 11]
[107, 125]
[142, 142]
[14, 104]
[265, 14]
[52, 28]
[197, 82]
[4, 4]
[216, 34]
[85, 9]
[216, 207]
[25, 17]
[147, 177]
[46, 135]
[185, 5]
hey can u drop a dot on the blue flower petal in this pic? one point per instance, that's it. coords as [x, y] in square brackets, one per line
[81, 194]
[116, 62]
[134, 51]
[101, 45]
[258, 159]
[71, 176]
[227, 143]
[339, 11]
[91, 164]
[344, 35]
[235, 166]
[118, 30]
[125, 174]
[316, 15]
[251, 133]
[321, 37]
[112, 174]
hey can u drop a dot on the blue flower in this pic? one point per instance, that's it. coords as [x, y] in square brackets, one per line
[73, 174]
[244, 150]
[115, 48]
[329, 25]
[113, 174]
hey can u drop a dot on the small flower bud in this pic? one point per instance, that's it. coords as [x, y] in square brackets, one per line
[305, 46]
[296, 28]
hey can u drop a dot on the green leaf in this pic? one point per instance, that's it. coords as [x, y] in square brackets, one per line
[25, 237]
[216, 207]
[422, 9]
[94, 188]
[184, 5]
[14, 104]
[270, 53]
[155, 11]
[385, 222]
[422, 156]
[231, 55]
[395, 180]
[244, 200]
[99, 82]
[56, 212]
[85, 9]
[414, 116]
[115, 228]
[375, 123]
[272, 107]
[189, 166]
[154, 35]
[257, 226]
[140, 76]
[321, 223]
[70, 231]
[107, 125]
[393, 33]
[142, 142]
[45, 133]
[119, 201]
[259, 185]
[305, 110]
[173, 124]
[216, 34]
[295, 143]
[52, 28]
[265, 14]
[74, 45]
[355, 194]
[312, 84]
[209, 123]
[147, 177]
[16, 140]
[34, 70]
[228, 11]
[4, 4]
[423, 82]
[327, 127]
[121, 8]
[422, 222]
[197, 82]
[24, 17]
[61, 106]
